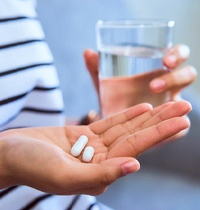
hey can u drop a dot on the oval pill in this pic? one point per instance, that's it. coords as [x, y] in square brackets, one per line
[79, 145]
[88, 154]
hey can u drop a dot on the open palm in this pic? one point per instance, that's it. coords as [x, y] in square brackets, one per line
[40, 157]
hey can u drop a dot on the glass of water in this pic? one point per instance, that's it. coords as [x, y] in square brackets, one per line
[130, 56]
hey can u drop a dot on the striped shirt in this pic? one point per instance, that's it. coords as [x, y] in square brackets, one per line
[30, 96]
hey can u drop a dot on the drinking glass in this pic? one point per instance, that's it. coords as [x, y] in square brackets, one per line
[130, 56]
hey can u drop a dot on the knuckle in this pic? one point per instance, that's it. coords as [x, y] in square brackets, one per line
[108, 177]
[134, 148]
[184, 76]
[188, 75]
[183, 51]
[192, 72]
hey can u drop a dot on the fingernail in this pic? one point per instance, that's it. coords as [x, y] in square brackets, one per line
[184, 51]
[130, 167]
[193, 70]
[172, 59]
[157, 84]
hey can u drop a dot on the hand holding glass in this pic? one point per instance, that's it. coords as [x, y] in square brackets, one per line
[130, 56]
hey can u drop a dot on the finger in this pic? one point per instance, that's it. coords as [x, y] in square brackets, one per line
[101, 126]
[176, 109]
[121, 130]
[176, 56]
[180, 134]
[142, 140]
[174, 80]
[150, 118]
[99, 176]
[91, 62]
[153, 135]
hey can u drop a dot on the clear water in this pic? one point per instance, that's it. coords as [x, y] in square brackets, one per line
[125, 74]
[126, 61]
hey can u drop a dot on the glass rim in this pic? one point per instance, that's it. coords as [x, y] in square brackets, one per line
[135, 23]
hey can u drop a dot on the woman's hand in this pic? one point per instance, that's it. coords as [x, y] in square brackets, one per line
[174, 81]
[40, 157]
[178, 77]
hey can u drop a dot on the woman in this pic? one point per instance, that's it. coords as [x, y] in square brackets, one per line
[30, 97]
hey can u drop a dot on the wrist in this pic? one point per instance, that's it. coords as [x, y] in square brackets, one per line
[5, 177]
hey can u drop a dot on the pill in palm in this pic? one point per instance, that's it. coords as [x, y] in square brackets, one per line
[88, 154]
[79, 145]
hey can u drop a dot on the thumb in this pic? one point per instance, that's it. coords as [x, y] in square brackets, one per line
[118, 167]
[94, 178]
[91, 61]
[107, 171]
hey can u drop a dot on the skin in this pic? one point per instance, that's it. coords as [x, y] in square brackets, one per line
[178, 77]
[174, 81]
[40, 157]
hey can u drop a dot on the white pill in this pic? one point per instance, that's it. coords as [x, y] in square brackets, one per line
[88, 154]
[79, 145]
